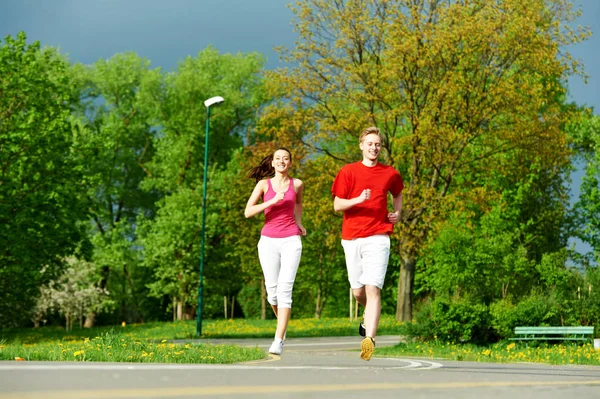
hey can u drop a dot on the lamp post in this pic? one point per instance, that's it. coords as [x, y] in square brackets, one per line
[207, 104]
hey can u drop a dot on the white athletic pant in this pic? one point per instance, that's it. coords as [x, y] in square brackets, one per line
[367, 260]
[279, 259]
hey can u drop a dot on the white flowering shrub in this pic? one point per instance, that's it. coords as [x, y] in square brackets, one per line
[74, 294]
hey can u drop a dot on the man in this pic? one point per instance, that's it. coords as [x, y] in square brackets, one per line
[361, 190]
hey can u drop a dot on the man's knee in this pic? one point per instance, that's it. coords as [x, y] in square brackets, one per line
[372, 291]
[359, 294]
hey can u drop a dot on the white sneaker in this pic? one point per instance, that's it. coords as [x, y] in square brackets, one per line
[276, 347]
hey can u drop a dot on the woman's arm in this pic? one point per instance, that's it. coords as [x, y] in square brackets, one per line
[299, 187]
[252, 207]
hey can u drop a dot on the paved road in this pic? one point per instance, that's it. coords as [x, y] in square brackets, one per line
[309, 368]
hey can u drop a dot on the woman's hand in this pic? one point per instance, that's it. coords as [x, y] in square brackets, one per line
[278, 197]
[302, 230]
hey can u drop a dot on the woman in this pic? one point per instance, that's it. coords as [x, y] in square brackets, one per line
[280, 246]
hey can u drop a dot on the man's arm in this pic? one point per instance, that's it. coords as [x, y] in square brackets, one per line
[394, 217]
[341, 204]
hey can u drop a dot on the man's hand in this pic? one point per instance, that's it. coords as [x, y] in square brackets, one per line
[365, 195]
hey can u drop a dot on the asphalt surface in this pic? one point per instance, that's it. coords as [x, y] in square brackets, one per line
[308, 368]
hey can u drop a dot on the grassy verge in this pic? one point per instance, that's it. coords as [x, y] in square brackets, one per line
[237, 328]
[149, 342]
[557, 354]
[111, 347]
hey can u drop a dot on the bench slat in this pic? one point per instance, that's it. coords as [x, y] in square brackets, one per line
[553, 333]
[554, 330]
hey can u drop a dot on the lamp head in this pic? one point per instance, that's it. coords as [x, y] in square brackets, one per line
[213, 100]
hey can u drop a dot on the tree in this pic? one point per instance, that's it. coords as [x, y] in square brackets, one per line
[115, 140]
[41, 207]
[586, 138]
[171, 241]
[463, 90]
[323, 269]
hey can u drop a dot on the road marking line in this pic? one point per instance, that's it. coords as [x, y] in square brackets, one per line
[412, 364]
[272, 389]
[432, 365]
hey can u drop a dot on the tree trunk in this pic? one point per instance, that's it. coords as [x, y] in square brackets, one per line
[232, 305]
[406, 283]
[263, 300]
[90, 320]
[174, 309]
[179, 310]
[318, 304]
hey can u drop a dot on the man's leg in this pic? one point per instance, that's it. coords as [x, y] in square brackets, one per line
[371, 320]
[372, 310]
[375, 253]
[361, 297]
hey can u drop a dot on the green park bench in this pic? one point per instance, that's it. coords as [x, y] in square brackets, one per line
[553, 333]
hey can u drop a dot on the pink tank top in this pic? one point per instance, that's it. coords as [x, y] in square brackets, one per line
[279, 218]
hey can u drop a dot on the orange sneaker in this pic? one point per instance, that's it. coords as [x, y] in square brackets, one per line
[367, 347]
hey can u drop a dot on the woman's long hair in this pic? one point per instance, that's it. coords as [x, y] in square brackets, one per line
[265, 167]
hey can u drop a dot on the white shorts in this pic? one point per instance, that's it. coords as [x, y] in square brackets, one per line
[279, 259]
[367, 260]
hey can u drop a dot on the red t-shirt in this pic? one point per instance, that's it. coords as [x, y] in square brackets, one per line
[370, 217]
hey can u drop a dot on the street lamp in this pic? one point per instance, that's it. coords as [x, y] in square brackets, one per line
[208, 103]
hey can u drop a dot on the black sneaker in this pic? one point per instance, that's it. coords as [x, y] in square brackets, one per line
[361, 328]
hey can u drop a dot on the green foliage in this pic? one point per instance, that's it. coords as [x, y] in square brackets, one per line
[114, 140]
[486, 262]
[586, 138]
[460, 321]
[535, 310]
[171, 240]
[321, 287]
[41, 205]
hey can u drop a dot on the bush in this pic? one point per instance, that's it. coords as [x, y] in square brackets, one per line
[535, 310]
[451, 321]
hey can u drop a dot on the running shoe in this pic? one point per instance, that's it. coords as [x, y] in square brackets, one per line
[276, 347]
[361, 328]
[367, 347]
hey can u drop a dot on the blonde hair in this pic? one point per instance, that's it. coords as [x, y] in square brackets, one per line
[370, 130]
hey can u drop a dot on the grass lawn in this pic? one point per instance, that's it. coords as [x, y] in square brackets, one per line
[150, 342]
[502, 352]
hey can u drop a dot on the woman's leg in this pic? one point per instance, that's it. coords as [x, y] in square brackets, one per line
[291, 252]
[269, 257]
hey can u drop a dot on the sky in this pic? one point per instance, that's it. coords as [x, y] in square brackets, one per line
[165, 32]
